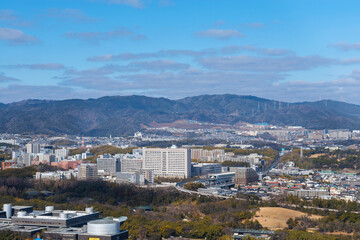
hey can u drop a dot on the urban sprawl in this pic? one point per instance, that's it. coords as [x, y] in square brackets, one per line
[222, 161]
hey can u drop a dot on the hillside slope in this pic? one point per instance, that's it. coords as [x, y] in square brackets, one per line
[125, 114]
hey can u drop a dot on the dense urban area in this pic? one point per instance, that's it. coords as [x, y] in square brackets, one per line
[184, 180]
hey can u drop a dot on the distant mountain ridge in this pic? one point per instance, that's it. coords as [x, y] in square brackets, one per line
[119, 115]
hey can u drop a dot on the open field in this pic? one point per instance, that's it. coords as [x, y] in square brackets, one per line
[318, 155]
[275, 217]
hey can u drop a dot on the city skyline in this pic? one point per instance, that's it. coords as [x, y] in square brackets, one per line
[278, 50]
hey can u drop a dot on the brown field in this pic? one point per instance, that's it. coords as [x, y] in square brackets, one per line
[339, 233]
[276, 217]
[317, 155]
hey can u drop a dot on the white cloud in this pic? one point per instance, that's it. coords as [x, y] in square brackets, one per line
[4, 78]
[96, 37]
[11, 18]
[37, 66]
[220, 33]
[16, 37]
[265, 64]
[131, 3]
[16, 92]
[68, 14]
[346, 46]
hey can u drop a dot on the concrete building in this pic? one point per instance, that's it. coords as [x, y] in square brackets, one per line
[198, 153]
[87, 172]
[56, 176]
[86, 154]
[67, 164]
[168, 162]
[61, 154]
[108, 164]
[102, 229]
[61, 224]
[27, 159]
[131, 164]
[225, 179]
[15, 154]
[148, 175]
[202, 169]
[250, 233]
[33, 148]
[311, 193]
[338, 134]
[244, 175]
[7, 164]
[10, 141]
[135, 178]
[47, 158]
[315, 135]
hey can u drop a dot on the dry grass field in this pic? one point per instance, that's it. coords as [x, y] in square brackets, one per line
[317, 155]
[276, 217]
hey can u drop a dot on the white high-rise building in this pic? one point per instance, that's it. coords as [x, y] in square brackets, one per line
[15, 154]
[33, 148]
[61, 154]
[131, 163]
[168, 162]
[27, 159]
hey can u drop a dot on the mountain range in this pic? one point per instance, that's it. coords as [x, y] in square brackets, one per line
[118, 115]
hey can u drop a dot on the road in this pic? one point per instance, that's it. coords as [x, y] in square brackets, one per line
[272, 165]
[317, 208]
[181, 189]
[280, 204]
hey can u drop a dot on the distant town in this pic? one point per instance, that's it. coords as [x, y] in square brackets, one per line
[259, 160]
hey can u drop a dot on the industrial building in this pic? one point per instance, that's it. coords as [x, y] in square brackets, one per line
[61, 224]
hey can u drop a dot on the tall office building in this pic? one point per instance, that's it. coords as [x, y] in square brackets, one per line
[27, 159]
[129, 164]
[244, 176]
[49, 158]
[108, 164]
[33, 148]
[168, 162]
[61, 154]
[87, 172]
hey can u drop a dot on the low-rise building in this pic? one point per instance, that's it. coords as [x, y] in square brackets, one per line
[135, 178]
[7, 164]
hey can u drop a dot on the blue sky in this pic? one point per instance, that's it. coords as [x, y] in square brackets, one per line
[283, 50]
